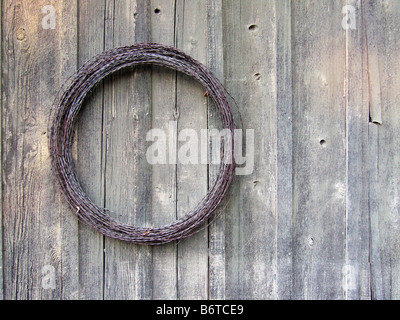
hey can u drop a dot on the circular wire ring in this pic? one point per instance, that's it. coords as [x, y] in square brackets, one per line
[66, 110]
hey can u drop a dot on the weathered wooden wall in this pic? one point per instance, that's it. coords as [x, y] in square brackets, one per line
[318, 218]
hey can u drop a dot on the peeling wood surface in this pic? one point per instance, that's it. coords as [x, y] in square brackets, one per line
[318, 218]
[384, 186]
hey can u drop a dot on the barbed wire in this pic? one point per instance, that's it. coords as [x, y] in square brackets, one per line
[64, 116]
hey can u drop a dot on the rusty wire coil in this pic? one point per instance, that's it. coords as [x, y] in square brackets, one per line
[65, 113]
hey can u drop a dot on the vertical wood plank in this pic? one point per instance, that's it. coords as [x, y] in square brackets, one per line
[33, 67]
[382, 19]
[250, 71]
[215, 46]
[324, 194]
[377, 279]
[284, 189]
[164, 175]
[68, 17]
[356, 271]
[142, 169]
[89, 145]
[319, 146]
[191, 179]
[127, 118]
[369, 19]
[366, 248]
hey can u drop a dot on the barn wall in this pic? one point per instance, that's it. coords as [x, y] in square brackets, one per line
[317, 218]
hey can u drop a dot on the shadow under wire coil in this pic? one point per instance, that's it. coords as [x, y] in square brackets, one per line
[65, 113]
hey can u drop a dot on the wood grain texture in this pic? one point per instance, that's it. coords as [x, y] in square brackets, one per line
[284, 231]
[356, 272]
[192, 179]
[318, 218]
[164, 115]
[33, 67]
[319, 151]
[377, 278]
[90, 154]
[383, 23]
[69, 224]
[215, 61]
[127, 119]
[250, 73]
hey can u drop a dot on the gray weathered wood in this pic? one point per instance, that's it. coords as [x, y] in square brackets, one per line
[191, 17]
[356, 271]
[215, 61]
[318, 218]
[377, 278]
[373, 37]
[164, 175]
[319, 150]
[32, 224]
[127, 119]
[89, 145]
[383, 26]
[377, 286]
[250, 73]
[69, 224]
[284, 239]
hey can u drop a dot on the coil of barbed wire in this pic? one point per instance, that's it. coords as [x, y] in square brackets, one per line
[64, 117]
